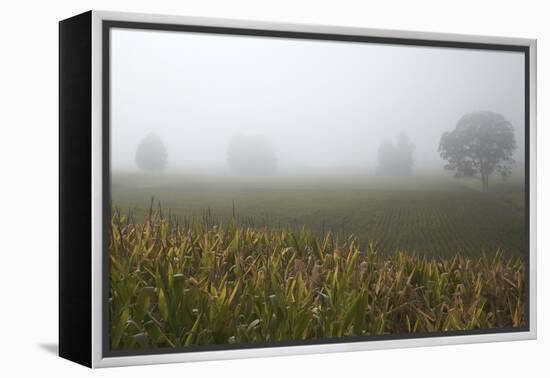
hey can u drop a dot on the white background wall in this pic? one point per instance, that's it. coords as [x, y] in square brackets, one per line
[28, 211]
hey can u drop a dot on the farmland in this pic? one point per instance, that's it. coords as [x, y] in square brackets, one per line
[213, 261]
[196, 284]
[427, 215]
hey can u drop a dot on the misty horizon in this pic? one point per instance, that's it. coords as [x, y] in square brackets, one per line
[323, 106]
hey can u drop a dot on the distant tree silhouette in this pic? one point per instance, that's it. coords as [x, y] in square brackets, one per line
[251, 155]
[151, 154]
[396, 159]
[386, 153]
[481, 143]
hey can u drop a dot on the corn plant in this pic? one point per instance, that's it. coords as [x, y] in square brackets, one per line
[202, 282]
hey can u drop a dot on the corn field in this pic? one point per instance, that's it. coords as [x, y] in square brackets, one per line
[204, 283]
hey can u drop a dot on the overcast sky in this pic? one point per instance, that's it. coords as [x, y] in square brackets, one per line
[323, 104]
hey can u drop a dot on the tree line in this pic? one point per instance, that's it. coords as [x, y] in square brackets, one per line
[481, 144]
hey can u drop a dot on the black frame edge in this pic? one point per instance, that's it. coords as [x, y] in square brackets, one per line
[75, 179]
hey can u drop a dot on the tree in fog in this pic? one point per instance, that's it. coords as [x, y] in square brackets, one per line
[251, 155]
[385, 157]
[482, 143]
[404, 151]
[396, 159]
[151, 154]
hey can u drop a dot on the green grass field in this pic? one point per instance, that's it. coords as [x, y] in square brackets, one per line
[427, 215]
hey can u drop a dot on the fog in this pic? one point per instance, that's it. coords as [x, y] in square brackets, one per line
[320, 106]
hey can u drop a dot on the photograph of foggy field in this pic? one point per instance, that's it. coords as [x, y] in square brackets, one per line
[277, 190]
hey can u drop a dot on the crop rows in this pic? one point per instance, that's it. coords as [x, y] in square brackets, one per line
[203, 283]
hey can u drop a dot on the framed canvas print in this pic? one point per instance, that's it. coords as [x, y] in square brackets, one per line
[235, 189]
